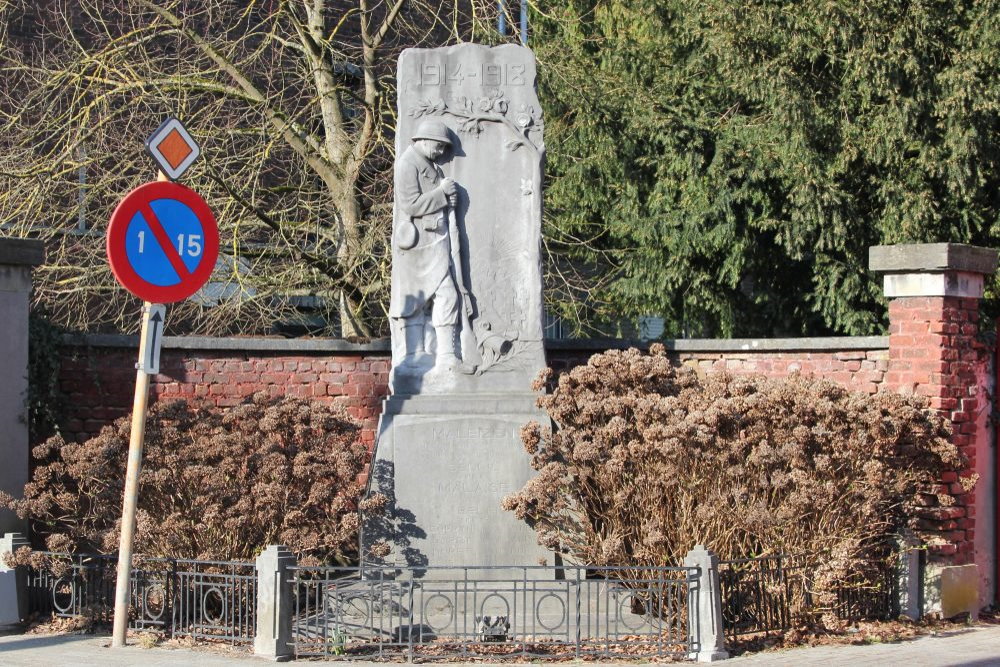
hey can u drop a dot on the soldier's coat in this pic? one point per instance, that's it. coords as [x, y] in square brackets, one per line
[419, 271]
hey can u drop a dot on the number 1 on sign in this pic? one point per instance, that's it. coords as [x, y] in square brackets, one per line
[193, 244]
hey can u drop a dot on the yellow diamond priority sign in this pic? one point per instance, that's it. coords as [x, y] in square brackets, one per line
[173, 148]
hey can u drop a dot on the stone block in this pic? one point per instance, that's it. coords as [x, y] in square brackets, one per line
[949, 284]
[445, 463]
[16, 259]
[480, 105]
[950, 590]
[919, 257]
[705, 607]
[908, 577]
[13, 584]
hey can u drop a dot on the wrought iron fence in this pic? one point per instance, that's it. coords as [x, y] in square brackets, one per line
[517, 613]
[202, 599]
[502, 613]
[872, 594]
[763, 594]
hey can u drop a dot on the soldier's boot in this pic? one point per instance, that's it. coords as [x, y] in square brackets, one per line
[413, 336]
[445, 358]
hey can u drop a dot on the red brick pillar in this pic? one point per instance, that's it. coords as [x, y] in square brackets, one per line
[934, 351]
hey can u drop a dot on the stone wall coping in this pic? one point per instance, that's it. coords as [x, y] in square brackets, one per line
[743, 345]
[931, 257]
[333, 345]
[30, 252]
[234, 344]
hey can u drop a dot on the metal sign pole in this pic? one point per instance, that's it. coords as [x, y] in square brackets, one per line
[134, 465]
[165, 211]
[524, 22]
[135, 444]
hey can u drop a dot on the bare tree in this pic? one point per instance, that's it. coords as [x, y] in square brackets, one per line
[293, 104]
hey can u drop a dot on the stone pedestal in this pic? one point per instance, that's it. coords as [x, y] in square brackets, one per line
[704, 607]
[445, 463]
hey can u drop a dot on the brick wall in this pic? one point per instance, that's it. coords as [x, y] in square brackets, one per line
[99, 381]
[858, 363]
[935, 352]
[98, 372]
[931, 351]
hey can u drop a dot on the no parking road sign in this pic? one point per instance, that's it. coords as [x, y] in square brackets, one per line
[162, 242]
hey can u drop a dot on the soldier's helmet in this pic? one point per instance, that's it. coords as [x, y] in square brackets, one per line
[433, 129]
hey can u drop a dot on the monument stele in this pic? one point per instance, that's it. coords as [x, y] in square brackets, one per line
[465, 313]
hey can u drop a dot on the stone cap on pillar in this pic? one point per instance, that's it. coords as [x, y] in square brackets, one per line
[933, 269]
[21, 252]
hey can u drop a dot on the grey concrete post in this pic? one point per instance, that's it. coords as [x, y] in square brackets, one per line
[909, 577]
[13, 582]
[17, 257]
[705, 607]
[274, 604]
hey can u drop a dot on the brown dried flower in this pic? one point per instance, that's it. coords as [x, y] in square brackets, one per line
[216, 484]
[646, 460]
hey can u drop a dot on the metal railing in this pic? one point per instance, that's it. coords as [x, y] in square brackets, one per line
[444, 613]
[764, 594]
[201, 599]
[517, 613]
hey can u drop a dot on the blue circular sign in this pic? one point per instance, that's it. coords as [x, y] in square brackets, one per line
[162, 242]
[183, 231]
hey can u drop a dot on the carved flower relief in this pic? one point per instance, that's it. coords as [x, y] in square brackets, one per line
[525, 116]
[494, 102]
[464, 104]
[427, 107]
[527, 121]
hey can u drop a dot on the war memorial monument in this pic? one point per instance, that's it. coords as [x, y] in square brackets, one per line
[465, 311]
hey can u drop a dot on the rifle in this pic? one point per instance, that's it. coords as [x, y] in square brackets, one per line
[467, 337]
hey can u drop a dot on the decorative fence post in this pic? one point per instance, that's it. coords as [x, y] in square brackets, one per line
[274, 604]
[705, 608]
[13, 586]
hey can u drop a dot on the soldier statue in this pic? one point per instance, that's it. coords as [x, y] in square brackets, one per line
[427, 263]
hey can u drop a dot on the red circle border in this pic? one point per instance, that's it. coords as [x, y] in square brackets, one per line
[118, 226]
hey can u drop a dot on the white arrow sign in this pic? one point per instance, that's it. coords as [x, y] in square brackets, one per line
[152, 339]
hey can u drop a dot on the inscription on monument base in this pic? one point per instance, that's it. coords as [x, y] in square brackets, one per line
[448, 477]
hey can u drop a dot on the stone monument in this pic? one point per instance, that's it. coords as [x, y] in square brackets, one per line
[465, 313]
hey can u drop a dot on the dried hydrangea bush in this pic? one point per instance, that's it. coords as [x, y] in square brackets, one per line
[647, 460]
[216, 484]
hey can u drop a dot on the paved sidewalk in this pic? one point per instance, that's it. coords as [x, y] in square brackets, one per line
[96, 651]
[977, 646]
